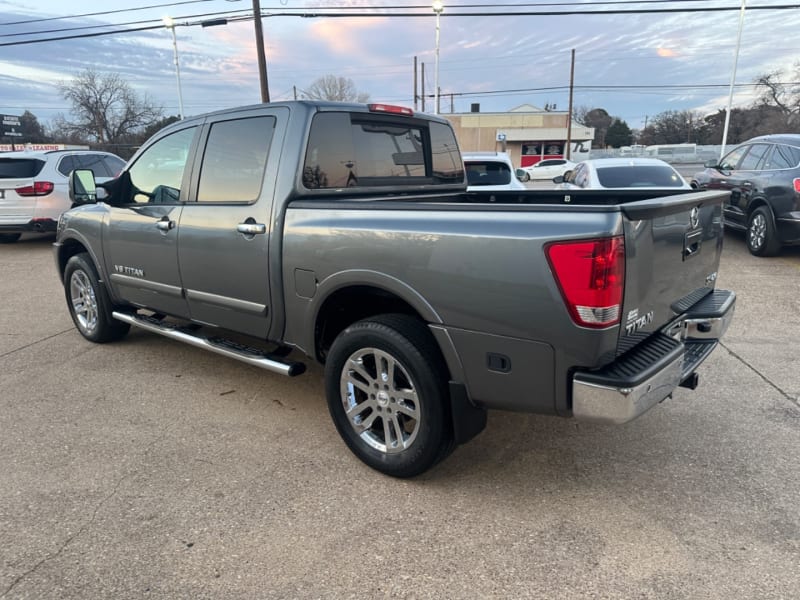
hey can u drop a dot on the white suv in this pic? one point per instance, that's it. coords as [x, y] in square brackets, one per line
[34, 190]
[490, 172]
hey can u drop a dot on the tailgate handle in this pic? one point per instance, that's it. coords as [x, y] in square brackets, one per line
[691, 244]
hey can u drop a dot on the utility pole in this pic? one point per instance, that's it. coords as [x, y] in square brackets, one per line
[262, 59]
[568, 153]
[294, 89]
[452, 106]
[415, 84]
[422, 77]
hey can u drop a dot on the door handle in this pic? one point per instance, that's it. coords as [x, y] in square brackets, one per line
[165, 225]
[251, 228]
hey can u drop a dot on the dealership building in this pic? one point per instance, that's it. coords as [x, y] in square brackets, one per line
[529, 134]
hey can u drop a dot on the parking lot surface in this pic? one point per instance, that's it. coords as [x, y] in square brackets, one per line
[149, 469]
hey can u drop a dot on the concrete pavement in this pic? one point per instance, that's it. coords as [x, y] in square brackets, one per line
[146, 468]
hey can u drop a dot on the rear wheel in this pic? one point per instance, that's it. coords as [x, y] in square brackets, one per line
[88, 302]
[761, 237]
[9, 238]
[386, 389]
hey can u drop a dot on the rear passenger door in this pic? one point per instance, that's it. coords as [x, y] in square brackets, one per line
[224, 232]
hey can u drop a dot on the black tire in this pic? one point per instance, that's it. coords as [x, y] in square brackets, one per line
[762, 240]
[9, 238]
[88, 302]
[404, 402]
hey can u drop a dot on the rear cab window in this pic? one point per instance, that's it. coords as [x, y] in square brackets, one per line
[362, 150]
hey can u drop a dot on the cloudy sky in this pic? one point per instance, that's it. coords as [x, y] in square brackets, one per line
[498, 61]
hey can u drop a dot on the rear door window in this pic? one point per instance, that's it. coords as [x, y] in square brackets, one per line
[66, 165]
[20, 168]
[93, 162]
[234, 160]
[752, 160]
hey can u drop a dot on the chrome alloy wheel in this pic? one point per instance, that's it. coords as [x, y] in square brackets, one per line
[758, 230]
[84, 301]
[380, 400]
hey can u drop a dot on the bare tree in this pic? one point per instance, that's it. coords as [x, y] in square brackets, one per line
[776, 93]
[331, 87]
[106, 108]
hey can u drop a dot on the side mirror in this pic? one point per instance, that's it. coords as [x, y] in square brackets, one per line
[82, 188]
[523, 175]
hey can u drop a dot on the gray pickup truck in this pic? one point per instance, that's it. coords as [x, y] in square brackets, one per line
[344, 233]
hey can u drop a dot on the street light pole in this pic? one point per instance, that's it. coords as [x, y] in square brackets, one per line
[170, 24]
[438, 7]
[733, 81]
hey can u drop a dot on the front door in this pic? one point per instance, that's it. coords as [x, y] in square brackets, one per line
[224, 233]
[141, 243]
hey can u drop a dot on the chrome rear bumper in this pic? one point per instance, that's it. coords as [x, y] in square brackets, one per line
[651, 371]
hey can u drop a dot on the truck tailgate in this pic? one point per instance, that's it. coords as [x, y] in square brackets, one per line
[673, 246]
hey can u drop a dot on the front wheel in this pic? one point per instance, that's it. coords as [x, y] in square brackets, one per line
[386, 389]
[88, 302]
[761, 237]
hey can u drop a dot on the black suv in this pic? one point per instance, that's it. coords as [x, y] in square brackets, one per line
[763, 176]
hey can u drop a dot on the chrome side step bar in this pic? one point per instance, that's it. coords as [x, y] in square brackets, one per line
[251, 356]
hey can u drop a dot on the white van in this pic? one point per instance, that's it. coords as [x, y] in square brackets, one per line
[673, 152]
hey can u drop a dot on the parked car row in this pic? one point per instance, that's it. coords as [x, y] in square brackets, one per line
[762, 175]
[34, 188]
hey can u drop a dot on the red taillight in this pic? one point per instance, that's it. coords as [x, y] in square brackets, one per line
[39, 188]
[591, 276]
[796, 185]
[389, 108]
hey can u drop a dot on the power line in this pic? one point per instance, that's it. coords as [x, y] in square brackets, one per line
[419, 14]
[83, 27]
[105, 12]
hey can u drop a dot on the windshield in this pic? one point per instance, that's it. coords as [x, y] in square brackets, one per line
[20, 168]
[488, 173]
[629, 176]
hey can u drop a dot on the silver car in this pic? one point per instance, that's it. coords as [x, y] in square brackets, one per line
[34, 189]
[621, 173]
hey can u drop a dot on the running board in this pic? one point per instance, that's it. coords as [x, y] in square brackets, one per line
[246, 354]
